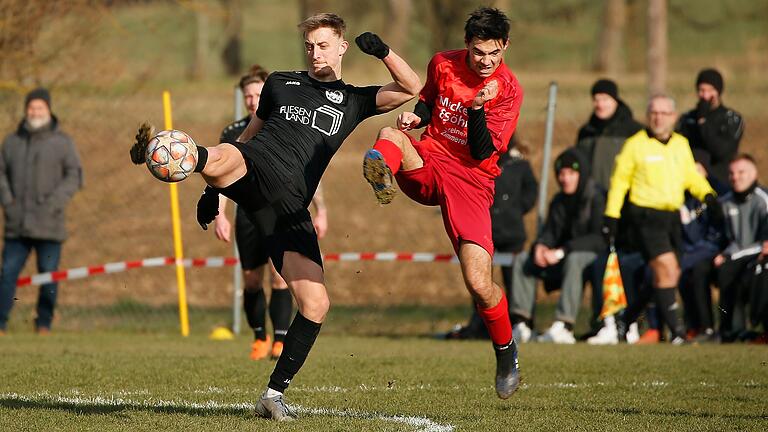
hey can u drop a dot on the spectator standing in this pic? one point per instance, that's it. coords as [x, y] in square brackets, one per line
[39, 173]
[603, 136]
[712, 126]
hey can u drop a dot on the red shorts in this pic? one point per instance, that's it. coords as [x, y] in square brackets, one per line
[464, 198]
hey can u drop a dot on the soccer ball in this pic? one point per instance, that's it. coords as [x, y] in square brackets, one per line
[171, 156]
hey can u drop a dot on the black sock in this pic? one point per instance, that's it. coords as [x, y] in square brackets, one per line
[568, 326]
[506, 357]
[299, 340]
[255, 305]
[280, 308]
[666, 304]
[636, 307]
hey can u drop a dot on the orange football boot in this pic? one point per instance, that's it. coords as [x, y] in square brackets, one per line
[277, 349]
[260, 348]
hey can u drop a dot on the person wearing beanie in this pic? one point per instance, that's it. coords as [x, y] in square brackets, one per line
[711, 126]
[601, 138]
[563, 254]
[34, 197]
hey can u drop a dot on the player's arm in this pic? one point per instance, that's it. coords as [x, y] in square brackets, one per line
[490, 129]
[406, 83]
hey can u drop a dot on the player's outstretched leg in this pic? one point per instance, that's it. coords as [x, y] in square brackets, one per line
[379, 175]
[392, 152]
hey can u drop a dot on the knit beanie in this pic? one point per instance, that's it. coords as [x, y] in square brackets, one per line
[568, 159]
[711, 77]
[606, 86]
[38, 93]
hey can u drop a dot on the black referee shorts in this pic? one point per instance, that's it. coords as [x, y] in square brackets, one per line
[655, 232]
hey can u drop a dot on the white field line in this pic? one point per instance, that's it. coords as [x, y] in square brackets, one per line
[420, 424]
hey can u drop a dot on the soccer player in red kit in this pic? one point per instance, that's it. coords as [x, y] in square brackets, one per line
[470, 105]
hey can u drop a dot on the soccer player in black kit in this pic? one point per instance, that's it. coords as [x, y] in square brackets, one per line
[252, 242]
[302, 120]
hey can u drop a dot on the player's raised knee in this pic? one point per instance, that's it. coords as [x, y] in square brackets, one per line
[392, 134]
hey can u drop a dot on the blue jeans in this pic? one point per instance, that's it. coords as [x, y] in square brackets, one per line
[15, 254]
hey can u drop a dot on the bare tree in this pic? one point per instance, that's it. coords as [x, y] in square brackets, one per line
[199, 68]
[31, 50]
[232, 55]
[399, 23]
[445, 18]
[657, 46]
[611, 39]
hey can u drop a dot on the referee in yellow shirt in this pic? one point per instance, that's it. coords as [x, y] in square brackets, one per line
[656, 167]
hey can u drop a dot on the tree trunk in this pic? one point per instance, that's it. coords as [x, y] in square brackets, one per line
[202, 36]
[445, 18]
[398, 24]
[608, 58]
[232, 54]
[657, 46]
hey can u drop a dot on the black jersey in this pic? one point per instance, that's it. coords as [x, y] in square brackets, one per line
[305, 123]
[234, 129]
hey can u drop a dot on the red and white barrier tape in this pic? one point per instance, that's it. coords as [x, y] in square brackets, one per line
[117, 267]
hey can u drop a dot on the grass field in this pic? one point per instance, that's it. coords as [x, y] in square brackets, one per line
[115, 381]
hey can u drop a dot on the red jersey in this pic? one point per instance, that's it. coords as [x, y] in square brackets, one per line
[450, 88]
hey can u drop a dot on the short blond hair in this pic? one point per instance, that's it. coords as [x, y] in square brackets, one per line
[324, 20]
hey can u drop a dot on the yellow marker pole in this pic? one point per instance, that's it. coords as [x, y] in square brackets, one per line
[175, 217]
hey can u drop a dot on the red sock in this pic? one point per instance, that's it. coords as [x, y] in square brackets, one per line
[497, 322]
[391, 152]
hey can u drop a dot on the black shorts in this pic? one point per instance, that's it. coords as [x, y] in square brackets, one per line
[252, 234]
[293, 230]
[655, 232]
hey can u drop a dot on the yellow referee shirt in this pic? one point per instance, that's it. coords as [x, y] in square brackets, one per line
[656, 174]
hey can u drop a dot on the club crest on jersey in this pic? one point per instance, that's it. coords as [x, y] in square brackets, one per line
[334, 96]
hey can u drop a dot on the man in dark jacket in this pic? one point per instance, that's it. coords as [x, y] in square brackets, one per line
[564, 251]
[39, 173]
[602, 137]
[712, 126]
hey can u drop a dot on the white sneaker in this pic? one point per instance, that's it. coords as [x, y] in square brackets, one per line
[608, 335]
[558, 334]
[521, 332]
[633, 334]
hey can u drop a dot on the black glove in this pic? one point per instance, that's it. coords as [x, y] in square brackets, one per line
[714, 210]
[703, 108]
[207, 207]
[609, 229]
[371, 43]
